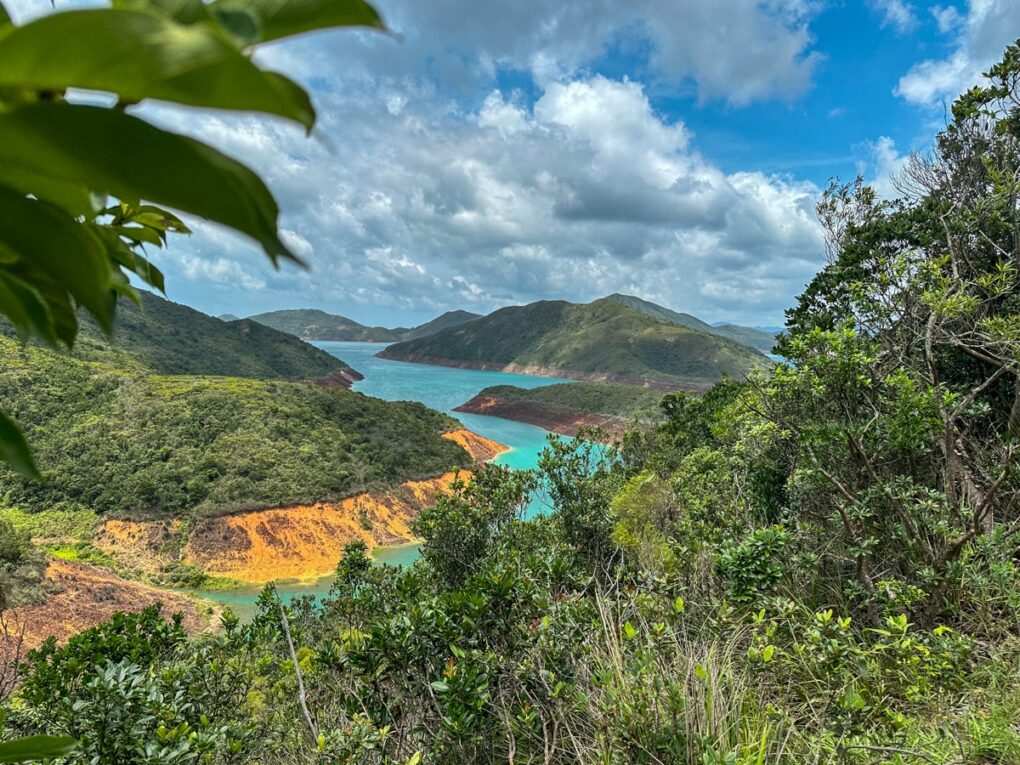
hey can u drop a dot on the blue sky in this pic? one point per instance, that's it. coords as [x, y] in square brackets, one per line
[516, 150]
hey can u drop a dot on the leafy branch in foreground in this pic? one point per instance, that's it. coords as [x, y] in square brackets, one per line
[83, 188]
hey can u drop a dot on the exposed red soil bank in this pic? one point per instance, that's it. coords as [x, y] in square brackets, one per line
[85, 596]
[293, 542]
[566, 422]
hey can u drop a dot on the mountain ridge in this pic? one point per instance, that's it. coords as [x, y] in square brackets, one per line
[316, 324]
[602, 340]
[754, 337]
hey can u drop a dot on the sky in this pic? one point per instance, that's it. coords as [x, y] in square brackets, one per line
[494, 153]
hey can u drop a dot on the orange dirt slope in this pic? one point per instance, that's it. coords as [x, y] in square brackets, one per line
[293, 542]
[86, 596]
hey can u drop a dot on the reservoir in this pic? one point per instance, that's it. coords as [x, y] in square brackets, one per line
[440, 388]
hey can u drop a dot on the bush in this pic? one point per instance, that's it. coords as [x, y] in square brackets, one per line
[14, 544]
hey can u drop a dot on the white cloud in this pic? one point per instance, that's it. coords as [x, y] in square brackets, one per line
[897, 14]
[297, 243]
[882, 165]
[585, 192]
[733, 50]
[947, 18]
[220, 271]
[982, 33]
[430, 185]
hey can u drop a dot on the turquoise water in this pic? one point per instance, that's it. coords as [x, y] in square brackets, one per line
[441, 388]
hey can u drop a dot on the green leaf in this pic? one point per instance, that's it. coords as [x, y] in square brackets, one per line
[128, 158]
[138, 55]
[15, 452]
[5, 19]
[52, 246]
[285, 18]
[26, 309]
[439, 686]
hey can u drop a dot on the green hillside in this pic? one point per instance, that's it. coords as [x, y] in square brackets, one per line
[170, 338]
[661, 313]
[599, 340]
[755, 338]
[443, 321]
[116, 439]
[313, 324]
[609, 399]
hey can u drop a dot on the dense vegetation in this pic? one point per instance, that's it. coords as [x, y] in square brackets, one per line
[600, 339]
[126, 440]
[756, 338]
[610, 399]
[817, 565]
[312, 324]
[169, 338]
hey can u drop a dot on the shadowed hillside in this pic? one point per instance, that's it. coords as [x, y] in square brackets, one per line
[170, 338]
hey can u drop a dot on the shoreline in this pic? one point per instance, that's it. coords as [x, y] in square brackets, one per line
[543, 371]
[560, 420]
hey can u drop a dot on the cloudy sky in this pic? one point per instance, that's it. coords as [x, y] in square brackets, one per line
[505, 151]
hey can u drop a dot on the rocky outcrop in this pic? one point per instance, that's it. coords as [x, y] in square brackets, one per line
[480, 448]
[344, 378]
[307, 541]
[566, 422]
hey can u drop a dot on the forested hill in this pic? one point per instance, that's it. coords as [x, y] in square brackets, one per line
[600, 340]
[117, 438]
[756, 338]
[443, 321]
[565, 408]
[313, 324]
[170, 338]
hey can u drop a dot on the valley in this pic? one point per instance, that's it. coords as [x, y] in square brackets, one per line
[222, 482]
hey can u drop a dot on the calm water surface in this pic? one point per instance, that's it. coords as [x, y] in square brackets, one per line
[441, 388]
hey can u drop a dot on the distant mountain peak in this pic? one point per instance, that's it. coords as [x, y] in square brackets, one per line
[752, 337]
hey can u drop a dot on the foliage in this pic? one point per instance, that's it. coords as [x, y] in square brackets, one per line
[460, 529]
[35, 748]
[79, 183]
[14, 544]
